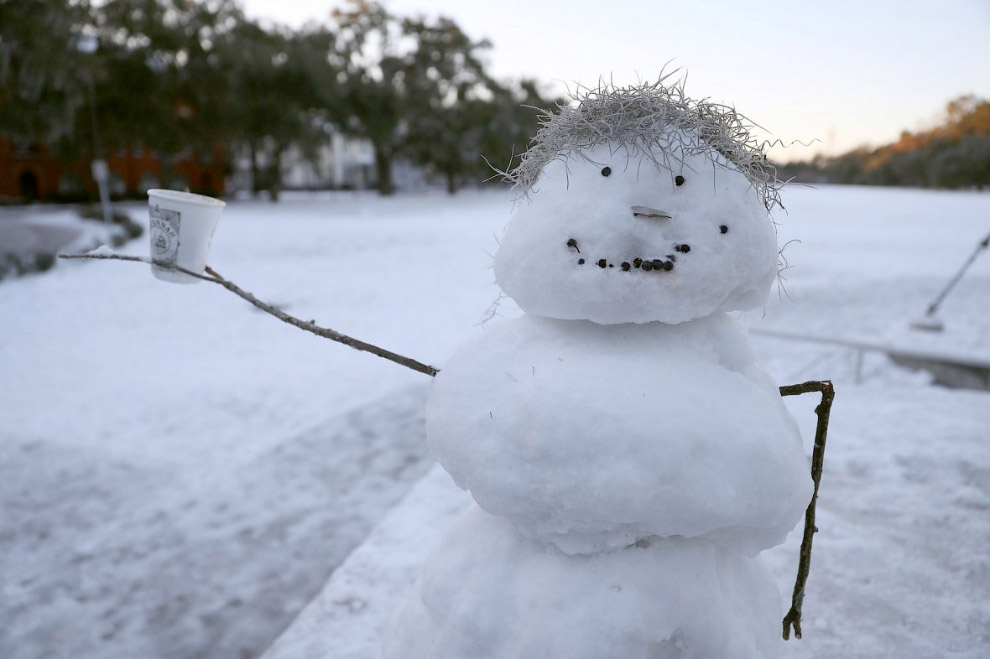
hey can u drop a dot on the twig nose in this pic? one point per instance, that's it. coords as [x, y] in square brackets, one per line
[646, 211]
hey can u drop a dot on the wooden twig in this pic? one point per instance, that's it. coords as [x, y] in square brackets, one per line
[309, 326]
[793, 617]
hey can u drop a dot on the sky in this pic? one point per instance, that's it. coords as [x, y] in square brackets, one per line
[836, 74]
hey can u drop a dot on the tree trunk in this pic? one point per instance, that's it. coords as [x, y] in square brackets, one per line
[255, 174]
[451, 183]
[383, 170]
[275, 178]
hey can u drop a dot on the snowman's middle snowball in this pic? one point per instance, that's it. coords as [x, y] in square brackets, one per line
[595, 436]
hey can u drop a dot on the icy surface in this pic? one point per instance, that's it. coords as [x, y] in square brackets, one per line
[346, 621]
[900, 565]
[905, 490]
[179, 473]
[574, 201]
[487, 591]
[129, 560]
[582, 433]
[28, 232]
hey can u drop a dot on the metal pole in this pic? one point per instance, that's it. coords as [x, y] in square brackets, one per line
[100, 171]
[933, 307]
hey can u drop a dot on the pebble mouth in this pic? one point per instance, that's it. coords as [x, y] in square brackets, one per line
[646, 265]
[665, 264]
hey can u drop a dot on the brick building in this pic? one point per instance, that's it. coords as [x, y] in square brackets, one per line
[32, 172]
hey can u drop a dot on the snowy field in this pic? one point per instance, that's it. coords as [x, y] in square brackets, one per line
[180, 474]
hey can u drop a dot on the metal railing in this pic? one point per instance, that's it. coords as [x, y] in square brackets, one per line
[978, 367]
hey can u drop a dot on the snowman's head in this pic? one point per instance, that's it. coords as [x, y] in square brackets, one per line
[641, 206]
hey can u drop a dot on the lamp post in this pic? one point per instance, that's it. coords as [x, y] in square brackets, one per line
[98, 168]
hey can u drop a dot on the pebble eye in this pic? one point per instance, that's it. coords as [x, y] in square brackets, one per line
[724, 229]
[679, 180]
[606, 171]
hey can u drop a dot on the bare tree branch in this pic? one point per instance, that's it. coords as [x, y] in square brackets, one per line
[793, 617]
[309, 326]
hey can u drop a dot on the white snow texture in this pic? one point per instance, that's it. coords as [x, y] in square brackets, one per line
[595, 436]
[629, 456]
[574, 200]
[487, 591]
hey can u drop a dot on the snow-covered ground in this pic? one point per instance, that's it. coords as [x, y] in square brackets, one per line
[180, 474]
[31, 235]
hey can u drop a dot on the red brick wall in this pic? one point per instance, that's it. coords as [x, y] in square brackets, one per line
[203, 173]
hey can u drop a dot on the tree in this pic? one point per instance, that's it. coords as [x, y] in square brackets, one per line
[282, 85]
[449, 98]
[160, 81]
[420, 88]
[177, 74]
[180, 75]
[42, 75]
[955, 154]
[372, 86]
[512, 121]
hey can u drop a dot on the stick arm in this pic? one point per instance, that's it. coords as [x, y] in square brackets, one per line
[824, 408]
[310, 326]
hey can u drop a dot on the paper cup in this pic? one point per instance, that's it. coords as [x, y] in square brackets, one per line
[182, 226]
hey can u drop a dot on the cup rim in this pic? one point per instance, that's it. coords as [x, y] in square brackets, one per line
[187, 197]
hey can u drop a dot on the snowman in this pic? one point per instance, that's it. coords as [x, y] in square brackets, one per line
[628, 456]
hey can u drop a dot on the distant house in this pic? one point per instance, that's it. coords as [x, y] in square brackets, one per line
[343, 163]
[31, 172]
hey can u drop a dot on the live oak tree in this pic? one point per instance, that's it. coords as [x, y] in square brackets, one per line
[177, 76]
[371, 82]
[281, 85]
[509, 121]
[160, 79]
[449, 98]
[42, 71]
[421, 88]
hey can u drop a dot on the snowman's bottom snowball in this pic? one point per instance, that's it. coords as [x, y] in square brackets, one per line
[490, 593]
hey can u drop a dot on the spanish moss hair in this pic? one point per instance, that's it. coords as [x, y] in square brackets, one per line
[654, 121]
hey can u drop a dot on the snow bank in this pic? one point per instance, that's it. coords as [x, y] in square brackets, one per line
[97, 472]
[899, 566]
[904, 481]
[346, 620]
